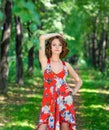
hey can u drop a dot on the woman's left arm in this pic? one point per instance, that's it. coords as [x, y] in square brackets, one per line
[75, 76]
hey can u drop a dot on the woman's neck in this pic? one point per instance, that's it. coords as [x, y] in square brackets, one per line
[55, 58]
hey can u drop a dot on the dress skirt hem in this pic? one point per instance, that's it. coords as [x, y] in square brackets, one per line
[70, 125]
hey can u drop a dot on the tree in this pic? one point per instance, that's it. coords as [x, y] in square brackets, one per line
[19, 63]
[4, 47]
[30, 60]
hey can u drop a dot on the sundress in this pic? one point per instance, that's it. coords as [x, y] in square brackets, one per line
[57, 104]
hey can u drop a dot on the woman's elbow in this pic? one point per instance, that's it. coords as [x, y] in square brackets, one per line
[81, 82]
[41, 37]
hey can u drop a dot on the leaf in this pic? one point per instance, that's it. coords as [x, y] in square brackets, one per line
[30, 6]
[36, 18]
[26, 11]
[1, 16]
[33, 27]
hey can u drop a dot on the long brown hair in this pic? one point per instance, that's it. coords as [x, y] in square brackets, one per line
[48, 51]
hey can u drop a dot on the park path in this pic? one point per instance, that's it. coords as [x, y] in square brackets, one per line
[77, 103]
[78, 106]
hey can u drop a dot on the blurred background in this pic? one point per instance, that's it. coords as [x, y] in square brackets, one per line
[85, 24]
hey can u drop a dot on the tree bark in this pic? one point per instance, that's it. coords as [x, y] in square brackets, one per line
[102, 51]
[94, 43]
[30, 61]
[4, 47]
[19, 63]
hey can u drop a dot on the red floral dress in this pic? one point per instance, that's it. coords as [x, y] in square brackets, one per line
[57, 104]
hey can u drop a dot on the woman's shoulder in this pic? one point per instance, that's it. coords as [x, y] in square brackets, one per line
[67, 64]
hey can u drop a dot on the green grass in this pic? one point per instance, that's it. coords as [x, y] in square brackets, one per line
[95, 100]
[20, 109]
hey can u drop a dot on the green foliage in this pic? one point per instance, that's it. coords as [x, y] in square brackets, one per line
[33, 27]
[12, 69]
[73, 18]
[26, 11]
[74, 27]
[1, 16]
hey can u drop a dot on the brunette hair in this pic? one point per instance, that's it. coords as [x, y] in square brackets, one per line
[48, 51]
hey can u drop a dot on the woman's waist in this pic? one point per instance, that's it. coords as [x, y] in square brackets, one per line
[55, 85]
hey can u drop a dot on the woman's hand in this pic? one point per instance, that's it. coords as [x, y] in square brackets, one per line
[73, 90]
[62, 35]
[50, 35]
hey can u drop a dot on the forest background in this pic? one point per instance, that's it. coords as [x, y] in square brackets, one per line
[85, 24]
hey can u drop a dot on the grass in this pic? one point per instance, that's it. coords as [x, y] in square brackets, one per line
[95, 108]
[20, 109]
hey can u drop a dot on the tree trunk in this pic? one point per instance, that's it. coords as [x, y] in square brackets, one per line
[30, 60]
[19, 63]
[102, 51]
[4, 47]
[94, 43]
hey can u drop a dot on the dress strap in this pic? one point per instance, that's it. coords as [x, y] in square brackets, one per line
[63, 63]
[48, 61]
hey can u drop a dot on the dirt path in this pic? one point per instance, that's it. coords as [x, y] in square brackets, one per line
[77, 104]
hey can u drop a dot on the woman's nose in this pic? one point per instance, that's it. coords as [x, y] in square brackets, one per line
[57, 46]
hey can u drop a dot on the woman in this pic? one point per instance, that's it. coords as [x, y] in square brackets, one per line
[57, 111]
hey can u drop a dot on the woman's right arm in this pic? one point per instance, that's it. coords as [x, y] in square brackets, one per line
[42, 55]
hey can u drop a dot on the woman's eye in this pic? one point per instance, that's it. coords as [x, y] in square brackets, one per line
[54, 44]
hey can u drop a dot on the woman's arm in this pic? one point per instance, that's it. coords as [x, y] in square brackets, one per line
[75, 76]
[42, 55]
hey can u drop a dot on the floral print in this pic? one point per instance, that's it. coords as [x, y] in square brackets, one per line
[57, 104]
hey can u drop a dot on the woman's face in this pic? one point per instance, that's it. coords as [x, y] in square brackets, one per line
[56, 46]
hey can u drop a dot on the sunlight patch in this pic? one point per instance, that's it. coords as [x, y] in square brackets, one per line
[89, 90]
[1, 124]
[39, 96]
[97, 106]
[31, 95]
[107, 108]
[20, 123]
[94, 91]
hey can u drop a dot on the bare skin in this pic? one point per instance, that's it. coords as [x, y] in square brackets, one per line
[64, 126]
[56, 48]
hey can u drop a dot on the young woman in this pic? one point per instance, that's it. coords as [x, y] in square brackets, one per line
[57, 111]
